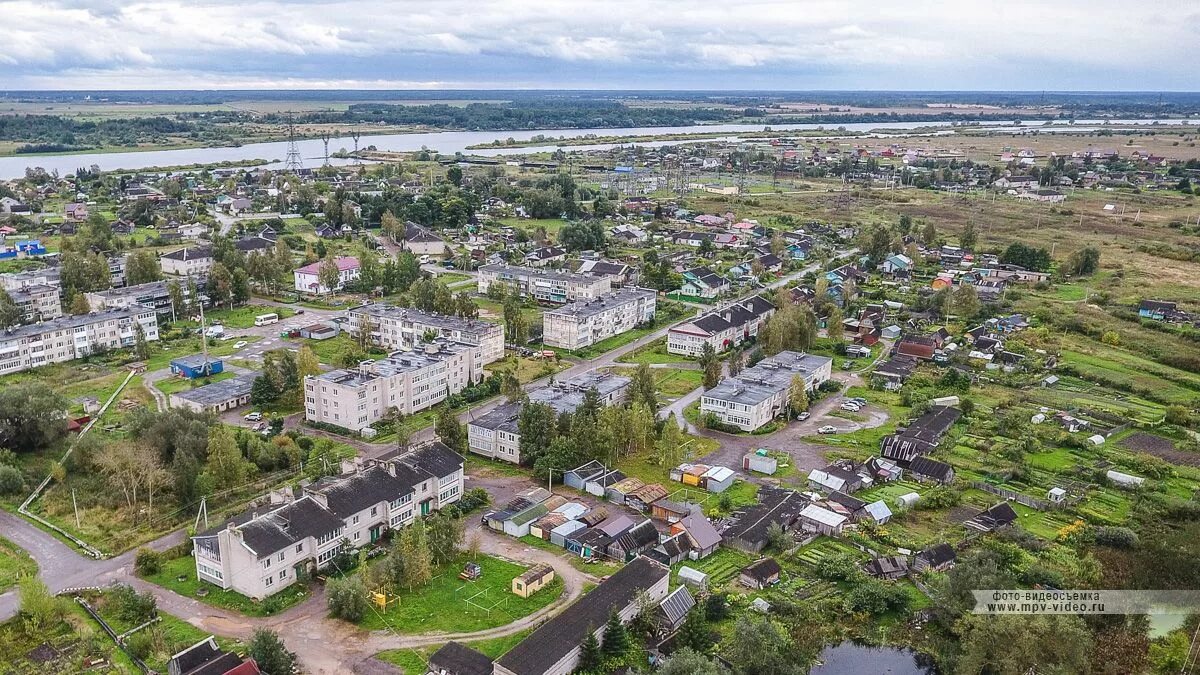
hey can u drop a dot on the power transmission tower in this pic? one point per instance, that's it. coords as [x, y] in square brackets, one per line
[355, 135]
[325, 141]
[292, 163]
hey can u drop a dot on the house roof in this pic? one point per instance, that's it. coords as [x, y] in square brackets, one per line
[676, 605]
[700, 529]
[938, 554]
[887, 565]
[878, 510]
[280, 528]
[823, 516]
[639, 536]
[762, 570]
[344, 263]
[775, 505]
[931, 467]
[458, 659]
[558, 636]
[193, 253]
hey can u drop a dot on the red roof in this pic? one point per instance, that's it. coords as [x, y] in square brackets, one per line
[343, 262]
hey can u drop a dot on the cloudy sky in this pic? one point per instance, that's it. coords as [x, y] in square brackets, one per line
[613, 44]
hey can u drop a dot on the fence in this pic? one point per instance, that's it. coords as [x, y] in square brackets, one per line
[1031, 502]
[37, 492]
[112, 634]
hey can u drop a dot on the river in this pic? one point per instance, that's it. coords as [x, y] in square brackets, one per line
[450, 142]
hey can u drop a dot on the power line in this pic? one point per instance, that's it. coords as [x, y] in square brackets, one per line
[292, 163]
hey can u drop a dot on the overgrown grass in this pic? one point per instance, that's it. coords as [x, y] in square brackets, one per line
[14, 564]
[450, 604]
[655, 352]
[238, 317]
[174, 385]
[179, 575]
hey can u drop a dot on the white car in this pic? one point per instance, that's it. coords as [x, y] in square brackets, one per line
[850, 407]
[254, 417]
[827, 430]
[802, 416]
[239, 344]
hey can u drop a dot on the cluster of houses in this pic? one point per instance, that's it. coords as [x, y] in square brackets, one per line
[649, 524]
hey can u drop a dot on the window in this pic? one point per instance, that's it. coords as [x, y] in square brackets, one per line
[282, 574]
[269, 581]
[281, 555]
[300, 547]
[355, 520]
[266, 563]
[374, 511]
[210, 571]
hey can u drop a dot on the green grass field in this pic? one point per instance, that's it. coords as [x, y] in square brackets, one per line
[174, 385]
[414, 661]
[14, 564]
[450, 604]
[239, 317]
[655, 352]
[179, 575]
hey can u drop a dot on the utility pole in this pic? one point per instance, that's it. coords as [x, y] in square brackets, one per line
[201, 514]
[75, 505]
[325, 141]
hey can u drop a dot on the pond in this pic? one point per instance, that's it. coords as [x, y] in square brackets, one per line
[850, 658]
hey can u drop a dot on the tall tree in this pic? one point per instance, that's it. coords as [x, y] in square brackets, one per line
[798, 395]
[616, 638]
[968, 238]
[226, 466]
[418, 561]
[450, 430]
[141, 267]
[178, 305]
[10, 313]
[328, 274]
[516, 325]
[269, 652]
[642, 389]
[80, 305]
[833, 325]
[670, 442]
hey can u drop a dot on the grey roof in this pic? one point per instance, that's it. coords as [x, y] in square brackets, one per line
[761, 382]
[418, 233]
[604, 303]
[762, 570]
[938, 554]
[735, 315]
[193, 253]
[896, 564]
[458, 659]
[775, 506]
[280, 528]
[347, 495]
[219, 392]
[564, 396]
[396, 363]
[254, 243]
[639, 536]
[556, 638]
[416, 316]
[512, 271]
[930, 467]
[152, 289]
[700, 529]
[71, 321]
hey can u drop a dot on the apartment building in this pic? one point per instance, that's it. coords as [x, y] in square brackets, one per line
[394, 327]
[580, 324]
[155, 295]
[73, 337]
[723, 328]
[185, 262]
[262, 551]
[407, 381]
[760, 394]
[497, 435]
[544, 285]
[36, 292]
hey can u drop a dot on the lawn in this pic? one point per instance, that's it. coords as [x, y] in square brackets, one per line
[238, 317]
[450, 604]
[655, 352]
[14, 564]
[174, 385]
[162, 353]
[414, 661]
[494, 311]
[671, 383]
[551, 225]
[179, 575]
[334, 350]
[171, 634]
[528, 368]
[594, 566]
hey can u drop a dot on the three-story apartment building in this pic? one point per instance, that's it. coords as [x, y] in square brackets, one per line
[584, 323]
[73, 337]
[407, 381]
[394, 327]
[264, 550]
[759, 394]
[544, 285]
[723, 328]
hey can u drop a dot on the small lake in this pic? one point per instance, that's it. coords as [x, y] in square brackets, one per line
[450, 142]
[850, 658]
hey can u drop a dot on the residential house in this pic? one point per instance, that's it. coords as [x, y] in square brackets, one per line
[920, 437]
[936, 558]
[544, 285]
[701, 282]
[194, 261]
[308, 278]
[818, 519]
[584, 323]
[546, 255]
[747, 528]
[721, 329]
[267, 549]
[406, 328]
[421, 241]
[759, 394]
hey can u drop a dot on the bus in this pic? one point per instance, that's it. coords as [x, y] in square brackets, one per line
[266, 319]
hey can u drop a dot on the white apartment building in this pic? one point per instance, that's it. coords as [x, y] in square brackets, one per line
[544, 285]
[497, 435]
[36, 292]
[265, 549]
[185, 262]
[308, 278]
[584, 323]
[407, 381]
[73, 337]
[394, 327]
[723, 328]
[760, 394]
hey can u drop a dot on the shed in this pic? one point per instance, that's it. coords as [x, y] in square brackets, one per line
[1056, 495]
[878, 512]
[320, 331]
[889, 567]
[1037, 419]
[532, 580]
[1096, 439]
[668, 511]
[572, 510]
[718, 479]
[642, 498]
[458, 659]
[760, 574]
[761, 606]
[579, 476]
[674, 609]
[817, 519]
[558, 536]
[907, 501]
[693, 577]
[195, 366]
[599, 485]
[620, 491]
[937, 558]
[542, 527]
[752, 461]
[890, 332]
[947, 401]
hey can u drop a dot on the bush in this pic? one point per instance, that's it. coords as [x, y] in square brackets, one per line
[347, 599]
[1116, 537]
[11, 480]
[148, 562]
[875, 597]
[838, 567]
[129, 605]
[139, 645]
[475, 498]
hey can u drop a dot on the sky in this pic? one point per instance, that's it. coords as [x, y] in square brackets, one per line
[1099, 45]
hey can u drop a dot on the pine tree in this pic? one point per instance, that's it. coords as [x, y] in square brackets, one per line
[589, 657]
[616, 638]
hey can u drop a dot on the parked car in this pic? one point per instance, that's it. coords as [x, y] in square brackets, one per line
[239, 344]
[827, 429]
[254, 417]
[802, 416]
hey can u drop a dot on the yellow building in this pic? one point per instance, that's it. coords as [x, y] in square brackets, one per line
[532, 580]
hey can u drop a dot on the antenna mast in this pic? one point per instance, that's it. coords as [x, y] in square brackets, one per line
[292, 163]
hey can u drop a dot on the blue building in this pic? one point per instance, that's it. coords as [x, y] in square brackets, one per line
[195, 366]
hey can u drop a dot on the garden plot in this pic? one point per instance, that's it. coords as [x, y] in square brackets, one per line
[1159, 446]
